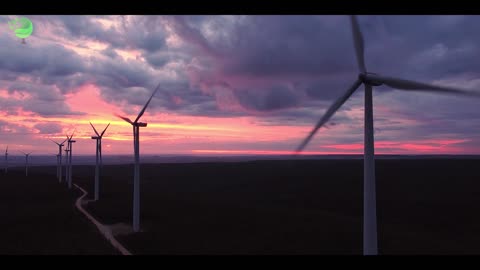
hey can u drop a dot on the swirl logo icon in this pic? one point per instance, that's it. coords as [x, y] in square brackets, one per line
[22, 27]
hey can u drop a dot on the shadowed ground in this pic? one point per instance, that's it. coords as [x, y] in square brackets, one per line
[425, 206]
[38, 216]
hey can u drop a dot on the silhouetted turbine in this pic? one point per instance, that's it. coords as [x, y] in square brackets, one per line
[59, 159]
[98, 139]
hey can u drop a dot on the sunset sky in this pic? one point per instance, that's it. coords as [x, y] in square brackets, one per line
[236, 84]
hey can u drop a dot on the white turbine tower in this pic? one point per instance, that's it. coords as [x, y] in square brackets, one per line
[26, 162]
[59, 160]
[370, 80]
[69, 157]
[98, 139]
[136, 147]
[6, 160]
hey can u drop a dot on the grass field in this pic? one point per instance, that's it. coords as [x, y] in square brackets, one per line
[425, 206]
[38, 217]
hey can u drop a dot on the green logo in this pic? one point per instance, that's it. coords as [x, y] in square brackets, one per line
[22, 27]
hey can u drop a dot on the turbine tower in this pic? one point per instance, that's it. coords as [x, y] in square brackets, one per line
[70, 150]
[66, 162]
[6, 160]
[136, 148]
[98, 139]
[26, 162]
[59, 159]
[369, 80]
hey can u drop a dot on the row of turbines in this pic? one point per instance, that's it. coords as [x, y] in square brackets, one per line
[27, 155]
[368, 79]
[98, 138]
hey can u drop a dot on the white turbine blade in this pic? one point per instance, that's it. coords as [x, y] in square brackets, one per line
[145, 107]
[418, 86]
[358, 43]
[103, 132]
[94, 129]
[124, 118]
[330, 112]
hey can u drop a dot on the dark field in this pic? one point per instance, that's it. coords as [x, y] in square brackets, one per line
[38, 216]
[425, 206]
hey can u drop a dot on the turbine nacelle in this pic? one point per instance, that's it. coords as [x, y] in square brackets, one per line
[140, 124]
[96, 137]
[366, 79]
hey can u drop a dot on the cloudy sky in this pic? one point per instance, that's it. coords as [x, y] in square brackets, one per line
[236, 84]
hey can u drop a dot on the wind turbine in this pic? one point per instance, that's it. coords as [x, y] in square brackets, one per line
[59, 159]
[98, 139]
[26, 162]
[70, 145]
[136, 148]
[6, 160]
[369, 80]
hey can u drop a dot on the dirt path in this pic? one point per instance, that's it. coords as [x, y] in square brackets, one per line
[105, 230]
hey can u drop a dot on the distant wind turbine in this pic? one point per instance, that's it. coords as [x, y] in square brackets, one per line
[369, 80]
[59, 159]
[6, 160]
[26, 162]
[98, 139]
[70, 150]
[136, 147]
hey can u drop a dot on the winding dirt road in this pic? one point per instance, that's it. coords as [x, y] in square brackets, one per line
[105, 230]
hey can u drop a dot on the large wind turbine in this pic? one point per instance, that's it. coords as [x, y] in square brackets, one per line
[98, 139]
[69, 157]
[136, 147]
[26, 162]
[369, 80]
[59, 159]
[6, 160]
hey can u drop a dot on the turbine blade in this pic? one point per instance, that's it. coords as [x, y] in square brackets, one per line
[103, 132]
[419, 86]
[64, 141]
[54, 142]
[94, 129]
[330, 112]
[145, 107]
[124, 118]
[358, 43]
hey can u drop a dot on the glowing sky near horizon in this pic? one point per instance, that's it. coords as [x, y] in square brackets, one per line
[236, 85]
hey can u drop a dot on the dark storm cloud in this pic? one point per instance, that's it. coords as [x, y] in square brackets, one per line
[135, 32]
[48, 128]
[47, 60]
[275, 98]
